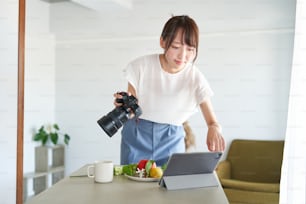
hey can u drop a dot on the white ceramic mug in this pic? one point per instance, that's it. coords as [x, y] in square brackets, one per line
[101, 171]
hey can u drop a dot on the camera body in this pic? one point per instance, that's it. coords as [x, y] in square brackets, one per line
[115, 119]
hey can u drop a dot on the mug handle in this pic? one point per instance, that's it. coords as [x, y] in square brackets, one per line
[88, 171]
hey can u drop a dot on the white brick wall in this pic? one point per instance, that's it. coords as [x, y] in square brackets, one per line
[8, 98]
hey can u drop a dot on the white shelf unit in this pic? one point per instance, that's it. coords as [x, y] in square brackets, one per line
[49, 169]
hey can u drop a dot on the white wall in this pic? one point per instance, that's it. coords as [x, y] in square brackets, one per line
[8, 98]
[39, 102]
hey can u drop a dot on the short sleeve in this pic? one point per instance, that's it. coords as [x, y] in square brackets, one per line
[203, 91]
[131, 74]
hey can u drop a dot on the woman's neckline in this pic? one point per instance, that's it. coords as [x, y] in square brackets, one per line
[162, 61]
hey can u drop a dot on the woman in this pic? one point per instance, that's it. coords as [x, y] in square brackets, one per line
[169, 88]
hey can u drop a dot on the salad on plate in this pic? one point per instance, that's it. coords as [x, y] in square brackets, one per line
[144, 170]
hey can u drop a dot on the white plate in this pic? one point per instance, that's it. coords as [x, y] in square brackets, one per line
[135, 178]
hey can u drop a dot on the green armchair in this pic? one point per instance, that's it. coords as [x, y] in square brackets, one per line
[251, 171]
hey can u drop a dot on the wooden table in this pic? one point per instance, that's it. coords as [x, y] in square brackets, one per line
[79, 189]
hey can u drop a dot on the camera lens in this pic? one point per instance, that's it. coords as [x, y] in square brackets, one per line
[117, 117]
[113, 121]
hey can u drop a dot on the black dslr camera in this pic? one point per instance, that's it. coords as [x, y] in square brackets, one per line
[117, 117]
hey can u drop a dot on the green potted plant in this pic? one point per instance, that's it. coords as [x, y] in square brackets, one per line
[50, 133]
[50, 156]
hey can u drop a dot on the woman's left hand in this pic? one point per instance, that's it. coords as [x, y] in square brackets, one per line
[215, 141]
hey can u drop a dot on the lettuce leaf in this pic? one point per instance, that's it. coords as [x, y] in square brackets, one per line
[129, 169]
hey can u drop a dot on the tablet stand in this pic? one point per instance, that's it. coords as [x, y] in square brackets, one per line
[189, 181]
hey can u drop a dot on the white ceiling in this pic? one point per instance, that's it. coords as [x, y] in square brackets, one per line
[100, 4]
[97, 5]
[70, 19]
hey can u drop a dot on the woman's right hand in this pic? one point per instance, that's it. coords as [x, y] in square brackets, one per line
[119, 96]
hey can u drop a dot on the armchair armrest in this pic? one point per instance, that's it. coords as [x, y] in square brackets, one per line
[223, 170]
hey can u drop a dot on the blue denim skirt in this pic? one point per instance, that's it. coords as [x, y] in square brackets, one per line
[143, 139]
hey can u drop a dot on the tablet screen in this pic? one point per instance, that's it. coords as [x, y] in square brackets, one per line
[192, 163]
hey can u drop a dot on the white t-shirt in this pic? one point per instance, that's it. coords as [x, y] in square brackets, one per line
[165, 97]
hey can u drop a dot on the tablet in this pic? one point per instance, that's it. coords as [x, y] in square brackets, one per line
[192, 163]
[190, 170]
